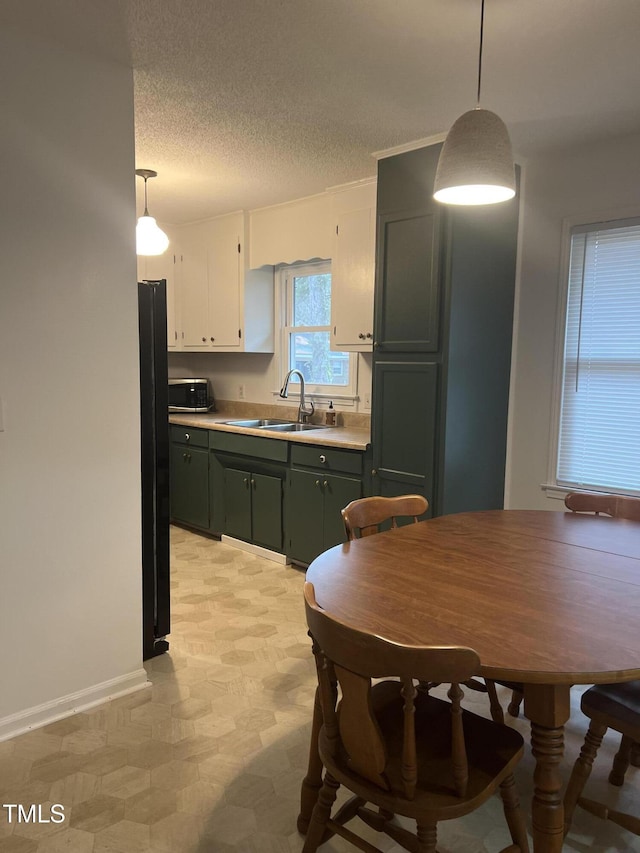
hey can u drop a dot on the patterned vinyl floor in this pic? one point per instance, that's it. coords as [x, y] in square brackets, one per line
[209, 759]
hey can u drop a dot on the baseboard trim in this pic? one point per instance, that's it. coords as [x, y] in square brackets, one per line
[274, 556]
[73, 703]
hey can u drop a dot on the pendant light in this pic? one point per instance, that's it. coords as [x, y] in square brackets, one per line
[150, 239]
[476, 161]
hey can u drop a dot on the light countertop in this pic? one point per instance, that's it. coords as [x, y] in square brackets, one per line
[347, 437]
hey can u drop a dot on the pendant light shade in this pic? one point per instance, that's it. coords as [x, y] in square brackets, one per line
[150, 238]
[476, 162]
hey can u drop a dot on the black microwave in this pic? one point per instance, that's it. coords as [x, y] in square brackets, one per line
[190, 395]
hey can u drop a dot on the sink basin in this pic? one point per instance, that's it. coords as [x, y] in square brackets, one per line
[291, 427]
[258, 423]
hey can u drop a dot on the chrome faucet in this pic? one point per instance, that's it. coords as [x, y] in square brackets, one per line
[304, 410]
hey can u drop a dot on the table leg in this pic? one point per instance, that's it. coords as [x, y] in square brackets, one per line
[312, 782]
[547, 707]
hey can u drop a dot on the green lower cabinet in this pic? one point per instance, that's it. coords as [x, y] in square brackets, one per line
[266, 511]
[253, 507]
[314, 501]
[189, 485]
[237, 492]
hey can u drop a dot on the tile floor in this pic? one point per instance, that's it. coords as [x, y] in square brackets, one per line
[209, 759]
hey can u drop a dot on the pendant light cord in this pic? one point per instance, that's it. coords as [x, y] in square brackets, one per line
[146, 211]
[480, 51]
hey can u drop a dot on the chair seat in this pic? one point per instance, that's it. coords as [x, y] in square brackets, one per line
[492, 752]
[620, 702]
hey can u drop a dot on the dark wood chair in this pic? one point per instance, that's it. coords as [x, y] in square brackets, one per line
[398, 750]
[616, 506]
[366, 516]
[608, 706]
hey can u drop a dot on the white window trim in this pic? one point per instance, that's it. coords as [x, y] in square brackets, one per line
[345, 396]
[552, 488]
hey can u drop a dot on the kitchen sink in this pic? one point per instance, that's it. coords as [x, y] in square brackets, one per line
[259, 423]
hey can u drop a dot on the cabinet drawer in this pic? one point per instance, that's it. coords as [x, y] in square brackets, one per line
[327, 459]
[249, 445]
[187, 435]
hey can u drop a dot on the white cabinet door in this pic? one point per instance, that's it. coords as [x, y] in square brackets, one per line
[194, 296]
[225, 283]
[164, 266]
[352, 274]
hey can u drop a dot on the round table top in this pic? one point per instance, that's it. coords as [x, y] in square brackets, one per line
[543, 597]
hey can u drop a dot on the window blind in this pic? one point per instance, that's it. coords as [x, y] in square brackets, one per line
[599, 441]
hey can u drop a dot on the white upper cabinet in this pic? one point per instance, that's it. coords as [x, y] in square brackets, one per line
[295, 231]
[353, 266]
[156, 267]
[224, 307]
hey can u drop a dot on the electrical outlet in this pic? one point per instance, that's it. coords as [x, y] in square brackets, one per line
[240, 392]
[367, 400]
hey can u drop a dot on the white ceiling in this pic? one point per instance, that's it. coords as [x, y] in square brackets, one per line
[244, 103]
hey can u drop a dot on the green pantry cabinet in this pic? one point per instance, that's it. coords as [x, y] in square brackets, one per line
[282, 496]
[444, 294]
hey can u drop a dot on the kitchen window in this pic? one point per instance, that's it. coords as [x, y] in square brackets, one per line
[306, 334]
[599, 417]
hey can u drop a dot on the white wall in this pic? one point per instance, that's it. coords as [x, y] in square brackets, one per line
[586, 182]
[258, 373]
[70, 572]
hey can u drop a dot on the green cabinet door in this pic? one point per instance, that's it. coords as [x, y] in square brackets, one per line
[266, 511]
[338, 492]
[404, 427]
[237, 493]
[314, 522]
[305, 510]
[189, 484]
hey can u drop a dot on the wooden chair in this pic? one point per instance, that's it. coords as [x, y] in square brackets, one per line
[401, 751]
[617, 506]
[608, 706]
[365, 516]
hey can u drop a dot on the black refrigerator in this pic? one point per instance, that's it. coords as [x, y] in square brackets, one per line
[154, 428]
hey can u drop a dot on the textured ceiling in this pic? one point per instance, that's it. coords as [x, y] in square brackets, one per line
[243, 103]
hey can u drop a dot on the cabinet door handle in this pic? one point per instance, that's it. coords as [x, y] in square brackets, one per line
[245, 480]
[318, 483]
[253, 482]
[204, 340]
[184, 455]
[374, 472]
[212, 340]
[325, 484]
[187, 437]
[323, 458]
[369, 335]
[361, 336]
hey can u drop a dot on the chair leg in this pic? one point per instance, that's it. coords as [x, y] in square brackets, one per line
[494, 704]
[427, 838]
[321, 814]
[621, 761]
[516, 700]
[635, 755]
[582, 770]
[513, 814]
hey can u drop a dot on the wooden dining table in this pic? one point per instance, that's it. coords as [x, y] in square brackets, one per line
[548, 599]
